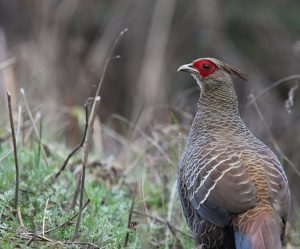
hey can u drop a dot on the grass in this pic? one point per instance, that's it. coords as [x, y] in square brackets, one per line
[149, 159]
[109, 187]
[104, 220]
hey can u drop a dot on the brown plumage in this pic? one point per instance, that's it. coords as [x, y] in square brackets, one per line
[232, 187]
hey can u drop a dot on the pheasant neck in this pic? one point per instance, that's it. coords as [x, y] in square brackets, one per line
[218, 110]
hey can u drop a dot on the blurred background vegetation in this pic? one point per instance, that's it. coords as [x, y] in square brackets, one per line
[56, 50]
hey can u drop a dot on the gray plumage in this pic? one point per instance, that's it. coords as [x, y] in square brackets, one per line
[227, 178]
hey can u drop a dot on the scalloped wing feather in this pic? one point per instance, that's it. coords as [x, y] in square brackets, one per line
[218, 185]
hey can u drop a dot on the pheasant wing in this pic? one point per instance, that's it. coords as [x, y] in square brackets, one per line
[218, 186]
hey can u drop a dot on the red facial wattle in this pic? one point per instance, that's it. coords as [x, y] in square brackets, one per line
[205, 67]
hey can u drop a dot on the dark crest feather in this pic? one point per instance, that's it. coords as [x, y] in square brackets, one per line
[233, 70]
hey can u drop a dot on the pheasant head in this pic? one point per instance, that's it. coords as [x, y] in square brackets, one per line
[214, 77]
[205, 70]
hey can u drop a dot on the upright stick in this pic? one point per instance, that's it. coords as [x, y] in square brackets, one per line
[15, 151]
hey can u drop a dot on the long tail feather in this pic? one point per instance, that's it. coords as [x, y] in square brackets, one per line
[261, 233]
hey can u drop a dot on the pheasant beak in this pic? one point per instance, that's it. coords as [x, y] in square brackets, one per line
[187, 68]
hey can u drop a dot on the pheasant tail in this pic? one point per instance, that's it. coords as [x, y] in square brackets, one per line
[263, 232]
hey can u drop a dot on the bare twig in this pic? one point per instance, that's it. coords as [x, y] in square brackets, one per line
[110, 57]
[78, 146]
[178, 244]
[39, 144]
[33, 124]
[81, 243]
[8, 135]
[53, 150]
[149, 139]
[16, 203]
[5, 156]
[23, 128]
[162, 221]
[44, 218]
[89, 131]
[253, 101]
[1, 212]
[75, 235]
[82, 176]
[19, 122]
[275, 84]
[170, 211]
[37, 236]
[130, 213]
[143, 199]
[32, 236]
[41, 237]
[289, 103]
[76, 192]
[69, 220]
[19, 214]
[30, 241]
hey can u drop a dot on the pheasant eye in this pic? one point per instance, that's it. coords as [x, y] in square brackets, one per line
[205, 66]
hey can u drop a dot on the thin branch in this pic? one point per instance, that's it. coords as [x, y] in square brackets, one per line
[8, 135]
[28, 243]
[1, 212]
[52, 149]
[19, 214]
[41, 236]
[76, 192]
[78, 146]
[19, 122]
[39, 144]
[130, 214]
[275, 84]
[149, 139]
[277, 147]
[110, 57]
[82, 176]
[23, 129]
[170, 211]
[89, 131]
[16, 203]
[178, 243]
[69, 220]
[81, 243]
[44, 218]
[33, 124]
[76, 231]
[5, 156]
[32, 236]
[289, 103]
[143, 199]
[37, 236]
[162, 221]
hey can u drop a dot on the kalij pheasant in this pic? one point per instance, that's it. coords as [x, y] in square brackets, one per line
[232, 187]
